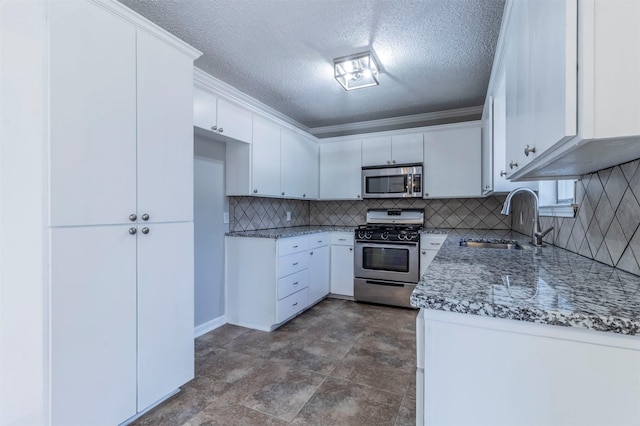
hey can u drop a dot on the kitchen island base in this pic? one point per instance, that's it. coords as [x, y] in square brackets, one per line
[475, 370]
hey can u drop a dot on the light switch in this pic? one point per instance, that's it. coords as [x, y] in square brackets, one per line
[288, 216]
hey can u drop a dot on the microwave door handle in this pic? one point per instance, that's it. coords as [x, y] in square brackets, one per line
[410, 184]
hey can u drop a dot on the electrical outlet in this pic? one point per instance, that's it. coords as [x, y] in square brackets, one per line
[226, 217]
[288, 216]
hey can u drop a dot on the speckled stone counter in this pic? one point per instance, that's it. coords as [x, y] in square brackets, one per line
[548, 285]
[289, 232]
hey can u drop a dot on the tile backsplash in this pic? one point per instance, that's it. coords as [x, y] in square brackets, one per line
[250, 213]
[606, 225]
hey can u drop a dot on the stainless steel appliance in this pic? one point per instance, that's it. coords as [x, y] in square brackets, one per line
[387, 256]
[399, 181]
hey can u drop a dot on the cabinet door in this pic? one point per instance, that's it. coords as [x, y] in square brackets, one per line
[93, 120]
[311, 169]
[376, 151]
[487, 146]
[234, 121]
[205, 107]
[93, 325]
[165, 131]
[342, 270]
[165, 310]
[407, 149]
[319, 273]
[452, 164]
[265, 157]
[340, 170]
[290, 164]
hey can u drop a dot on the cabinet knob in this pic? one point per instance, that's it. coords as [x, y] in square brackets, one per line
[133, 231]
[133, 217]
[282, 193]
[214, 128]
[513, 164]
[145, 230]
[311, 253]
[304, 195]
[424, 252]
[388, 161]
[220, 130]
[528, 150]
[426, 194]
[350, 248]
[393, 161]
[255, 191]
[358, 196]
[145, 217]
[502, 173]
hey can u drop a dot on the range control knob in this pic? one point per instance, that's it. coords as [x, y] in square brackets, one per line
[384, 235]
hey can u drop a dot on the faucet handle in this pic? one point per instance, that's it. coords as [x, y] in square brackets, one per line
[539, 235]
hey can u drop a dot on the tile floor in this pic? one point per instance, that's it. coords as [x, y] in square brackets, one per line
[339, 363]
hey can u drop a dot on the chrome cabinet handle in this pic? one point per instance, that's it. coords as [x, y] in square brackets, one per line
[294, 264]
[214, 128]
[221, 130]
[133, 217]
[295, 246]
[340, 239]
[513, 164]
[528, 150]
[133, 231]
[145, 230]
[435, 244]
[295, 304]
[296, 283]
[145, 217]
[502, 173]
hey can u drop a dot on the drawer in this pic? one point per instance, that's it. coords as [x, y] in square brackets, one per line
[342, 238]
[319, 240]
[431, 241]
[292, 283]
[289, 306]
[287, 265]
[292, 245]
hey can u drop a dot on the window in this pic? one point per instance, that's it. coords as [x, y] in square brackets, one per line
[557, 198]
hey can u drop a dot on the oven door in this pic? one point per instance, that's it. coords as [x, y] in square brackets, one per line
[397, 261]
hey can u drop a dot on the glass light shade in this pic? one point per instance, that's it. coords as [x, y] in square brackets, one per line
[356, 71]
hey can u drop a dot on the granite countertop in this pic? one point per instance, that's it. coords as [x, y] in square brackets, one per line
[548, 285]
[293, 231]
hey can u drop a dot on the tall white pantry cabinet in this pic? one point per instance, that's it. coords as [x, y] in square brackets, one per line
[119, 200]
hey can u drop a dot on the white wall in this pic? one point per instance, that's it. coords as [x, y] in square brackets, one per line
[23, 215]
[209, 205]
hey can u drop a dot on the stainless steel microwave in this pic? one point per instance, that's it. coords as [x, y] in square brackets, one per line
[399, 181]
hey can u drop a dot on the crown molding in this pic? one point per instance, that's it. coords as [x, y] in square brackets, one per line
[144, 24]
[207, 82]
[397, 122]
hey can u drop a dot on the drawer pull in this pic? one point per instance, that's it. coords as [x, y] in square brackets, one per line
[296, 283]
[342, 239]
[295, 304]
[435, 244]
[294, 264]
[295, 246]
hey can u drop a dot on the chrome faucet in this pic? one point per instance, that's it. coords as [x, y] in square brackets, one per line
[536, 233]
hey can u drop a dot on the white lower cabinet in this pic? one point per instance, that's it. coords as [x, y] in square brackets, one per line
[319, 266]
[429, 246]
[530, 374]
[342, 263]
[121, 319]
[286, 276]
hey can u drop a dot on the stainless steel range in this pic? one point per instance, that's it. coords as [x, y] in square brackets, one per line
[387, 256]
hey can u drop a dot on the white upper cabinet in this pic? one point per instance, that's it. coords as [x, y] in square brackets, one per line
[221, 116]
[290, 164]
[392, 149]
[93, 125]
[566, 63]
[265, 157]
[165, 135]
[452, 161]
[341, 170]
[310, 170]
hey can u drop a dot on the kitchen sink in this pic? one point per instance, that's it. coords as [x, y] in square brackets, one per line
[490, 243]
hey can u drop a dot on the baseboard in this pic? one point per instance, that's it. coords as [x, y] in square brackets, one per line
[209, 326]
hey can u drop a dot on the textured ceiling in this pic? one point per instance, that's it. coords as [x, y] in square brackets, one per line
[435, 55]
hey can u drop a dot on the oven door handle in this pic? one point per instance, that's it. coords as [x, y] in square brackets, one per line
[386, 244]
[389, 284]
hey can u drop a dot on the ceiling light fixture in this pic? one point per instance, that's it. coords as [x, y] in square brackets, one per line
[357, 71]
